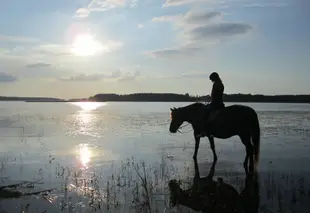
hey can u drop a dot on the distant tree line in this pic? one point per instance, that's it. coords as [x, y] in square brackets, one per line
[145, 97]
[39, 99]
[172, 97]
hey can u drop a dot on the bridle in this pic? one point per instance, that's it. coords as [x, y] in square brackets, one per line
[181, 127]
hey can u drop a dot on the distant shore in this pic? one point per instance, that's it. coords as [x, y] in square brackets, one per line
[169, 97]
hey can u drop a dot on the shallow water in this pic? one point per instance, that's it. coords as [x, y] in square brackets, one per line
[66, 142]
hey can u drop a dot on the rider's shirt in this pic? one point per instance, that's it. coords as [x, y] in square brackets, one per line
[217, 92]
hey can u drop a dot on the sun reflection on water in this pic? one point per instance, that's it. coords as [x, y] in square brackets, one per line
[87, 118]
[86, 123]
[84, 155]
[89, 106]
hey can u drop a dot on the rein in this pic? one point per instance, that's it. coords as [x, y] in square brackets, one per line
[183, 127]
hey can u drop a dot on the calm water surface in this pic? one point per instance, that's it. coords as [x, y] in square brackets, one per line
[39, 140]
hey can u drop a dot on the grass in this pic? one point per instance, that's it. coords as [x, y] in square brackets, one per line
[134, 186]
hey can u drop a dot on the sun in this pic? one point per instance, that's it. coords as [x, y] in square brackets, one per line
[85, 45]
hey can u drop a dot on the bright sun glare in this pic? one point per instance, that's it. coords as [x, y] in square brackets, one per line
[89, 106]
[84, 155]
[85, 45]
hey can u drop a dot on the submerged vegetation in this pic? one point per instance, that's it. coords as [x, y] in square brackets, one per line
[139, 187]
[10, 191]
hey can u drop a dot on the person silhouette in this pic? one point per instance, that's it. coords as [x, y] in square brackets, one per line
[216, 98]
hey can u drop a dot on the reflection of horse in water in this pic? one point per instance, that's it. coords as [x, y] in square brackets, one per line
[208, 195]
[229, 121]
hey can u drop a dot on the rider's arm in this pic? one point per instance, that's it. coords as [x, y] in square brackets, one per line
[213, 91]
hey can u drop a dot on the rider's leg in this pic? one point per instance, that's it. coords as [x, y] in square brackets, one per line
[206, 121]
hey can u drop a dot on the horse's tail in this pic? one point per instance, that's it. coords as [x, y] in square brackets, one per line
[255, 135]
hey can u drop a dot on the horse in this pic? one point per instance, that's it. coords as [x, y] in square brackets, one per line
[234, 120]
[209, 195]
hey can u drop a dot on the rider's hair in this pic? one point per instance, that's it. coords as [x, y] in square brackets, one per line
[214, 77]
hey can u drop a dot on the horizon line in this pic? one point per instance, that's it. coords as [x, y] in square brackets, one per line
[161, 93]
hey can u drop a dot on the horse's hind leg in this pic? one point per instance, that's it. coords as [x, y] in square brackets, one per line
[197, 141]
[211, 140]
[249, 150]
[245, 163]
[246, 140]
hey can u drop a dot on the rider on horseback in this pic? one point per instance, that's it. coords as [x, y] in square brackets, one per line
[216, 96]
[217, 91]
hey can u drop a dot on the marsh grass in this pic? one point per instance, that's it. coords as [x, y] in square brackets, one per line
[138, 187]
[131, 187]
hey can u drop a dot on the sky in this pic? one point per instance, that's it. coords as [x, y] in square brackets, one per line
[78, 48]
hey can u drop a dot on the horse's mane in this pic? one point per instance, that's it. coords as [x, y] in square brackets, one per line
[193, 105]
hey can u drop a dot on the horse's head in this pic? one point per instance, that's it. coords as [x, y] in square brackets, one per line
[176, 120]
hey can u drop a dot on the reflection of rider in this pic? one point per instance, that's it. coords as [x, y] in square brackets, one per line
[216, 95]
[209, 195]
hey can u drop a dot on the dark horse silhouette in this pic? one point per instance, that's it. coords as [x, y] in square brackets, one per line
[208, 195]
[229, 121]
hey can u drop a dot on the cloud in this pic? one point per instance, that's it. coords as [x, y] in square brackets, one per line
[201, 17]
[219, 30]
[277, 4]
[116, 75]
[103, 5]
[66, 50]
[228, 3]
[183, 51]
[196, 30]
[185, 75]
[134, 3]
[51, 52]
[140, 26]
[38, 65]
[44, 71]
[129, 76]
[169, 3]
[18, 39]
[170, 18]
[50, 49]
[190, 18]
[195, 74]
[85, 77]
[7, 78]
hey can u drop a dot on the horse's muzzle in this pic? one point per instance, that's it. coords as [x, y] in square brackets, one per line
[172, 130]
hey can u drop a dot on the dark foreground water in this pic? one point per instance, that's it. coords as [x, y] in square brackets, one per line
[120, 157]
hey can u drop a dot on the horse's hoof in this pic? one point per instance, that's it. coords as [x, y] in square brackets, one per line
[246, 171]
[250, 176]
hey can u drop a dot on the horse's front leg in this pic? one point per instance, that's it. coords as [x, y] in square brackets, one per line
[211, 140]
[197, 141]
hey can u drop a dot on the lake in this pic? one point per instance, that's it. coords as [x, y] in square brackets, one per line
[93, 154]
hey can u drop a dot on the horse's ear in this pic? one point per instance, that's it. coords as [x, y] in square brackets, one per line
[171, 109]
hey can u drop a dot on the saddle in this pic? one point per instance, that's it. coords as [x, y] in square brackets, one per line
[212, 112]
